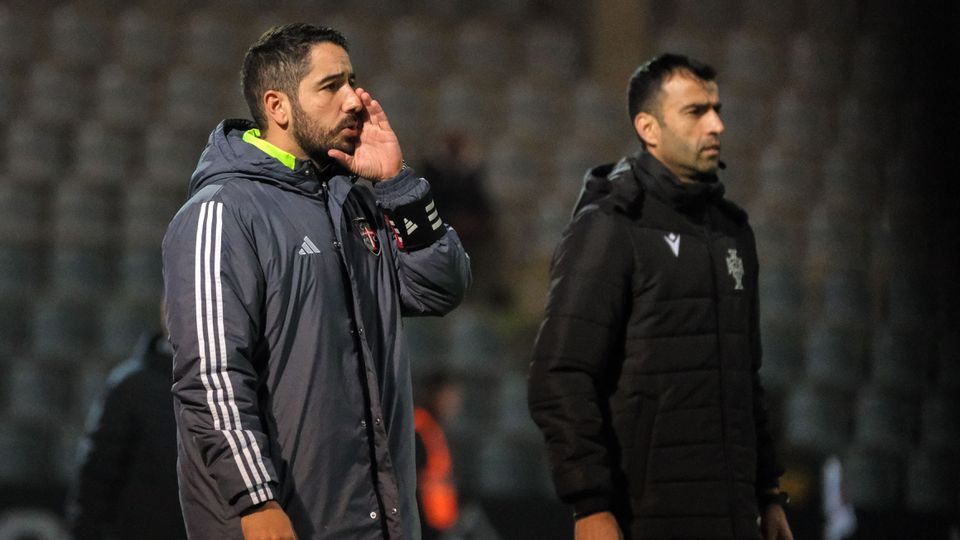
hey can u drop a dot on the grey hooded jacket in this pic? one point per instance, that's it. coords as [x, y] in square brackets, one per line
[284, 311]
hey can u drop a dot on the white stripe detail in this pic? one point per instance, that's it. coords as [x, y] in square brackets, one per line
[231, 401]
[410, 226]
[201, 285]
[434, 215]
[306, 240]
[430, 206]
[436, 224]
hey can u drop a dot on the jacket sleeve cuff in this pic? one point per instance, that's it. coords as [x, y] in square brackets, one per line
[399, 190]
[260, 495]
[591, 504]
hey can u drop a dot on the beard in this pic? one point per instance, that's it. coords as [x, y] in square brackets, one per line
[315, 140]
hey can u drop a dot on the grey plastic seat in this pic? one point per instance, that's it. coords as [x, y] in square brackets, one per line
[25, 447]
[882, 419]
[124, 321]
[462, 106]
[56, 93]
[39, 389]
[940, 420]
[782, 339]
[416, 49]
[751, 58]
[834, 353]
[551, 53]
[872, 479]
[77, 37]
[192, 99]
[211, 43]
[37, 150]
[693, 42]
[931, 485]
[21, 237]
[147, 208]
[897, 359]
[815, 65]
[483, 51]
[103, 155]
[817, 419]
[62, 326]
[84, 238]
[144, 39]
[18, 36]
[172, 152]
[124, 96]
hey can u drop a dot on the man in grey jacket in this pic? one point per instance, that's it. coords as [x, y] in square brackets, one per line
[286, 278]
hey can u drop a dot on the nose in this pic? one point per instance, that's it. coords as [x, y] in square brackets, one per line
[351, 101]
[715, 123]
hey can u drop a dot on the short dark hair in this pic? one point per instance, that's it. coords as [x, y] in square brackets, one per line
[279, 60]
[646, 82]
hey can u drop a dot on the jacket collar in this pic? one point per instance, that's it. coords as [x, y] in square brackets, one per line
[662, 184]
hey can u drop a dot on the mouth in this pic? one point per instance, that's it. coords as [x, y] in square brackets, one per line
[713, 150]
[350, 128]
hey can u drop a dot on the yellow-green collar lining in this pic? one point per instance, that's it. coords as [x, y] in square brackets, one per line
[252, 136]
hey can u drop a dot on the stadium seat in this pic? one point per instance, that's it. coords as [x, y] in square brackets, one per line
[84, 237]
[63, 326]
[416, 49]
[172, 152]
[21, 237]
[56, 93]
[551, 53]
[192, 99]
[815, 66]
[690, 41]
[14, 319]
[483, 52]
[18, 37]
[514, 465]
[897, 359]
[125, 96]
[777, 17]
[834, 353]
[751, 58]
[39, 389]
[144, 39]
[882, 419]
[782, 339]
[931, 481]
[800, 119]
[26, 450]
[103, 155]
[817, 419]
[940, 420]
[462, 106]
[35, 151]
[872, 479]
[367, 43]
[124, 321]
[78, 37]
[212, 44]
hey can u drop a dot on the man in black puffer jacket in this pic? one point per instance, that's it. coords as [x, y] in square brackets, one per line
[644, 378]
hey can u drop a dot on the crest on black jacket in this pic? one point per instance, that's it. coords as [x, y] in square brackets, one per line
[368, 234]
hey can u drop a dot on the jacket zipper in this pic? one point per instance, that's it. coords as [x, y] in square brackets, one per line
[723, 400]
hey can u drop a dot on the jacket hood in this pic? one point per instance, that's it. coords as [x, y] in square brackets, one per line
[228, 156]
[631, 177]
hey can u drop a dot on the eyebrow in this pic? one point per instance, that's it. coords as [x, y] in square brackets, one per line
[702, 105]
[334, 77]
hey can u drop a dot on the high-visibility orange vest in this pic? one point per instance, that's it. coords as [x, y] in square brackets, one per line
[438, 494]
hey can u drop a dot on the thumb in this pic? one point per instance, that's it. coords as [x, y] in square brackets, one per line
[345, 159]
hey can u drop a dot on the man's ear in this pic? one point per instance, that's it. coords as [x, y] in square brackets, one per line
[648, 128]
[276, 107]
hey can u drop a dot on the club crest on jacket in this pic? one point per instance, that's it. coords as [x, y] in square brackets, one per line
[368, 235]
[735, 268]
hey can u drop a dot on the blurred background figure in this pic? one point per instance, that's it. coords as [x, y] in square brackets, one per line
[437, 399]
[126, 483]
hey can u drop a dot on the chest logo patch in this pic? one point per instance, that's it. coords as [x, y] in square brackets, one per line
[368, 235]
[735, 268]
[673, 240]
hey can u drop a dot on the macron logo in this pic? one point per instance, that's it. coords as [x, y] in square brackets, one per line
[673, 240]
[308, 247]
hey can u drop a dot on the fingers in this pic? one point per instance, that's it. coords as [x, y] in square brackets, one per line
[374, 110]
[344, 158]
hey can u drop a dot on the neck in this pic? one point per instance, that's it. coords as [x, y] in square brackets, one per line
[284, 140]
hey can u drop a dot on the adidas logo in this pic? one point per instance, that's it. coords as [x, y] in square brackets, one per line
[308, 247]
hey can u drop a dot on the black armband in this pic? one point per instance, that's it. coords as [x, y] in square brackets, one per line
[416, 225]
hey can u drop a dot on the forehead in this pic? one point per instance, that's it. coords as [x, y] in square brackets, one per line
[328, 59]
[683, 87]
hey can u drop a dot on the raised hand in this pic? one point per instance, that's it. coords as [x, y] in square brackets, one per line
[377, 154]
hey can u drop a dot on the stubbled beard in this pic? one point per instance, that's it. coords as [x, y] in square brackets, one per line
[315, 140]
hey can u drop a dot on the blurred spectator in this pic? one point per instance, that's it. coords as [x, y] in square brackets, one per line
[458, 184]
[438, 399]
[126, 485]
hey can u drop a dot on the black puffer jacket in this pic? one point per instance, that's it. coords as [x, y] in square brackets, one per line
[644, 377]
